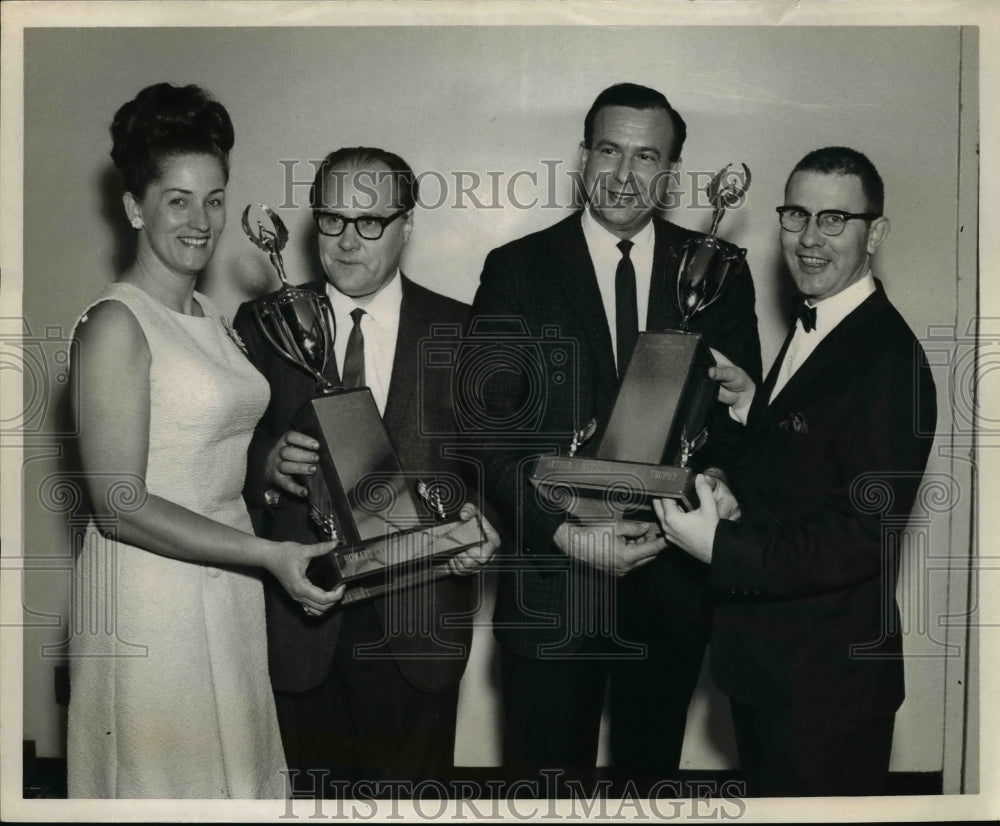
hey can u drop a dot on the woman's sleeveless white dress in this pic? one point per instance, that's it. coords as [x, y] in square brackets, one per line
[170, 695]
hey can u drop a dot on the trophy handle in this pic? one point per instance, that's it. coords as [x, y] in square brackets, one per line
[729, 263]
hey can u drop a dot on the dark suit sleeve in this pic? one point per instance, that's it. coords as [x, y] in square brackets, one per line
[507, 455]
[736, 337]
[263, 439]
[875, 463]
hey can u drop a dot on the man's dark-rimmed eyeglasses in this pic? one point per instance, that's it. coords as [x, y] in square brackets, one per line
[830, 221]
[369, 227]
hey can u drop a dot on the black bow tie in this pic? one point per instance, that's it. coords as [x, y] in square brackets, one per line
[804, 313]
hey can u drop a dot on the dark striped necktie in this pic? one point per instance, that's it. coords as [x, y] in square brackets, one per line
[354, 357]
[626, 309]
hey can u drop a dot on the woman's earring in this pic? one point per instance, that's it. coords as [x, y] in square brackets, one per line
[137, 223]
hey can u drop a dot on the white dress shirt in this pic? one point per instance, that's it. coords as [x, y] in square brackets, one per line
[829, 313]
[380, 327]
[605, 256]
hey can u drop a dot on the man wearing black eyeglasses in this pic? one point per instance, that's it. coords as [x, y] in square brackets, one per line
[368, 692]
[807, 638]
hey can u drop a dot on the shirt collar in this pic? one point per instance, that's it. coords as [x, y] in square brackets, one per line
[831, 311]
[598, 236]
[384, 304]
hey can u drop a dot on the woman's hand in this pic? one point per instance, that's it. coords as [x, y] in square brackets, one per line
[288, 562]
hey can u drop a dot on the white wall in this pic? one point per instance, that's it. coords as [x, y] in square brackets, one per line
[499, 100]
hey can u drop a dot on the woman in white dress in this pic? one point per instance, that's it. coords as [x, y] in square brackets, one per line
[170, 695]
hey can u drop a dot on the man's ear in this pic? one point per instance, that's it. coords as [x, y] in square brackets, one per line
[407, 225]
[584, 152]
[877, 233]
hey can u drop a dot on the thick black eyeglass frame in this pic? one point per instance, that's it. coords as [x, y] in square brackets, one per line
[383, 222]
[845, 216]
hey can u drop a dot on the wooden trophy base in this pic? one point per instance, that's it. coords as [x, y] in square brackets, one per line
[656, 423]
[594, 487]
[391, 563]
[361, 491]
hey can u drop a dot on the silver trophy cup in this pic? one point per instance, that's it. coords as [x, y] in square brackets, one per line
[298, 323]
[705, 264]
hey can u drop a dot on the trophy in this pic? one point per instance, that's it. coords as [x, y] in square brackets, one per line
[360, 495]
[298, 323]
[703, 265]
[658, 420]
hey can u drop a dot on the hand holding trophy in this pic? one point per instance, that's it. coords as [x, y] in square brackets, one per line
[360, 495]
[658, 420]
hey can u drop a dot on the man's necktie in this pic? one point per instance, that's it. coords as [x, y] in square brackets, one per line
[354, 357]
[626, 309]
[804, 313]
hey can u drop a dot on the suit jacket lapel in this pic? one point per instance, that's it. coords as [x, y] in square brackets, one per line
[662, 283]
[762, 397]
[413, 323]
[839, 350]
[579, 283]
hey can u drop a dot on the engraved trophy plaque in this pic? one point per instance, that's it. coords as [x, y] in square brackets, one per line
[360, 495]
[658, 420]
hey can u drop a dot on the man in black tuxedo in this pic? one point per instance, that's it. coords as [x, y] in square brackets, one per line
[807, 634]
[577, 604]
[368, 691]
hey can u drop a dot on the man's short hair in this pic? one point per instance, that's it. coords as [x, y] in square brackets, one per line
[405, 184]
[636, 97]
[841, 160]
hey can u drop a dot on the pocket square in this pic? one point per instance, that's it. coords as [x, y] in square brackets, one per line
[795, 422]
